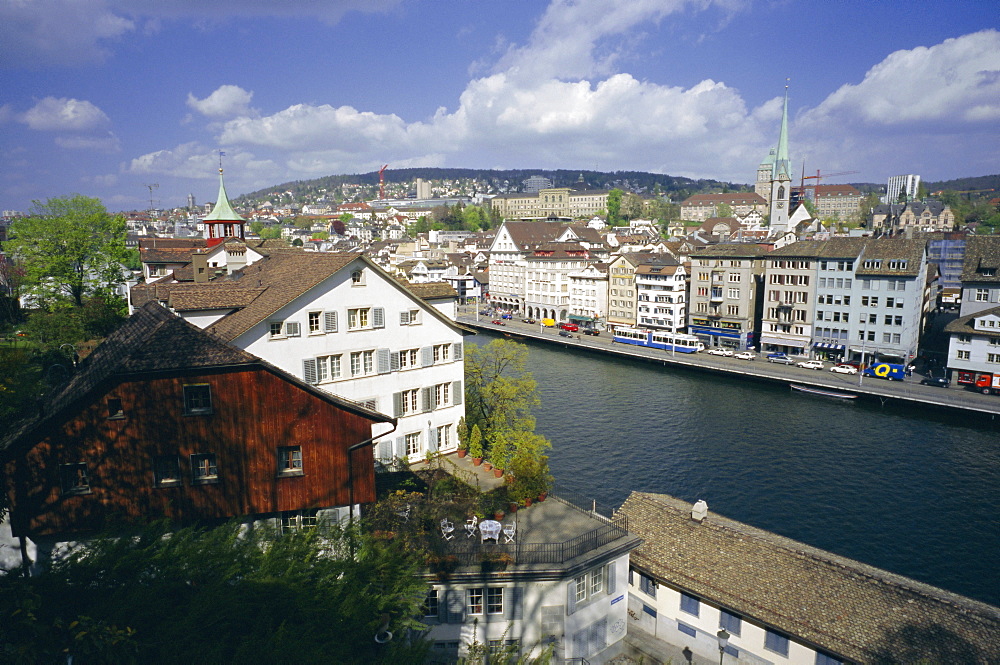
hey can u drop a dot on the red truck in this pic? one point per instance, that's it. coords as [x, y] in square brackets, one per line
[984, 382]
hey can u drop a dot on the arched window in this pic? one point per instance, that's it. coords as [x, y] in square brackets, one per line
[781, 192]
[357, 277]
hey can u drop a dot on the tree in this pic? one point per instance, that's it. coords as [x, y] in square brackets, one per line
[614, 206]
[270, 233]
[631, 206]
[256, 226]
[500, 392]
[723, 210]
[70, 248]
[223, 595]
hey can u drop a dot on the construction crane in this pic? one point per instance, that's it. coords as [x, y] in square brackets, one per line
[381, 181]
[819, 175]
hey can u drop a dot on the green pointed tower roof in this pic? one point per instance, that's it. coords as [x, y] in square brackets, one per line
[782, 166]
[223, 212]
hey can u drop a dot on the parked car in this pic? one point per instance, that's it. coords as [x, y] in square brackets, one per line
[498, 322]
[939, 381]
[565, 333]
[810, 364]
[528, 321]
[780, 358]
[744, 355]
[719, 351]
[591, 331]
[570, 327]
[844, 369]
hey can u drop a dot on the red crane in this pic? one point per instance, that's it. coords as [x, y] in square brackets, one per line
[823, 175]
[381, 181]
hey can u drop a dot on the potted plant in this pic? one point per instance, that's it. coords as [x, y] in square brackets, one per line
[476, 445]
[500, 453]
[463, 437]
[488, 466]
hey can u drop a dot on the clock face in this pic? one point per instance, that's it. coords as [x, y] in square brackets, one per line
[781, 204]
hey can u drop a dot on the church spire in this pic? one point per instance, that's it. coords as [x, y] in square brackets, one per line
[223, 211]
[223, 222]
[782, 166]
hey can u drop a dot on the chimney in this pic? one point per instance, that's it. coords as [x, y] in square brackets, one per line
[199, 266]
[699, 511]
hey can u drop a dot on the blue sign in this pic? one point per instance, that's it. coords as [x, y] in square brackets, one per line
[621, 597]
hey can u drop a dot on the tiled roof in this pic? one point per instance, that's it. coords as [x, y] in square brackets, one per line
[432, 290]
[982, 255]
[856, 611]
[745, 198]
[889, 249]
[168, 254]
[743, 250]
[528, 235]
[963, 325]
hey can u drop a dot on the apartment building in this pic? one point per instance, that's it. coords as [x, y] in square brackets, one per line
[588, 294]
[661, 293]
[700, 207]
[547, 285]
[790, 295]
[726, 291]
[980, 274]
[622, 296]
[564, 203]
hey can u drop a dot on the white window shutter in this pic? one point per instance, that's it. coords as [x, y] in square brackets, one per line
[309, 374]
[611, 578]
[456, 393]
[432, 439]
[404, 318]
[378, 317]
[292, 328]
[397, 405]
[384, 365]
[457, 351]
[401, 447]
[385, 450]
[514, 603]
[426, 356]
[427, 397]
[394, 362]
[571, 597]
[330, 322]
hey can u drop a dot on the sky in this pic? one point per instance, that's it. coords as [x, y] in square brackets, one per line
[107, 97]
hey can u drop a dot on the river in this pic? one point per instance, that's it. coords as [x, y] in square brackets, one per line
[916, 494]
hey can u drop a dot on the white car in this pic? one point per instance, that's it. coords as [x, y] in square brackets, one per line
[844, 369]
[810, 364]
[719, 351]
[745, 355]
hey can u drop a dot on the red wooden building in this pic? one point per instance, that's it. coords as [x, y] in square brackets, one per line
[164, 421]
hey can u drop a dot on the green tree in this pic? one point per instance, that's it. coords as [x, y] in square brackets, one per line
[614, 207]
[70, 248]
[500, 392]
[224, 595]
[631, 206]
[723, 210]
[256, 226]
[270, 233]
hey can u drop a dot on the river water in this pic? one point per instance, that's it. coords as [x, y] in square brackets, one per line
[916, 494]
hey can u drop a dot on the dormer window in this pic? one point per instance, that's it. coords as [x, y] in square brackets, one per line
[358, 278]
[988, 272]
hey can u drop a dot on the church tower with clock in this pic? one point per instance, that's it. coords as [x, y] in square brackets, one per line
[781, 178]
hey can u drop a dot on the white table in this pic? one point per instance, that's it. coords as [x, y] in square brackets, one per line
[490, 529]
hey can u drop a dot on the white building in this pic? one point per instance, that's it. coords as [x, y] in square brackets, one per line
[661, 287]
[907, 184]
[588, 293]
[340, 322]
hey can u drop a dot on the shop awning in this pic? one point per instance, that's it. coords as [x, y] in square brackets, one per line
[829, 347]
[576, 317]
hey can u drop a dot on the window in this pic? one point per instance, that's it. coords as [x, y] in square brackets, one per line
[441, 352]
[494, 600]
[444, 436]
[442, 395]
[982, 295]
[115, 410]
[328, 367]
[281, 329]
[431, 604]
[408, 358]
[408, 402]
[731, 622]
[993, 357]
[647, 585]
[776, 642]
[412, 443]
[734, 294]
[290, 461]
[596, 581]
[475, 601]
[690, 604]
[686, 629]
[362, 363]
[826, 659]
[204, 469]
[580, 586]
[74, 478]
[358, 278]
[358, 318]
[315, 324]
[410, 317]
[166, 471]
[197, 399]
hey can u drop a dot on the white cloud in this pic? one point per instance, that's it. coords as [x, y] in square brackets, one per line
[194, 160]
[36, 33]
[956, 81]
[226, 101]
[106, 180]
[62, 114]
[108, 143]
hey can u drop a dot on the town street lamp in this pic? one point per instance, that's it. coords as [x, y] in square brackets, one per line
[723, 638]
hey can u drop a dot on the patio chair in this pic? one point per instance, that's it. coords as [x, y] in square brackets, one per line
[508, 532]
[470, 526]
[405, 513]
[447, 529]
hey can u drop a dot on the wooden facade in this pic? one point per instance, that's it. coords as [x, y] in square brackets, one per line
[256, 416]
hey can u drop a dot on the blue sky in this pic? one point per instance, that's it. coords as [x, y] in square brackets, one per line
[102, 97]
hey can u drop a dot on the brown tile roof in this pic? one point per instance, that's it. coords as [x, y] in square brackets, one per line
[528, 235]
[432, 290]
[982, 255]
[856, 611]
[167, 254]
[889, 249]
[745, 198]
[744, 250]
[963, 325]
